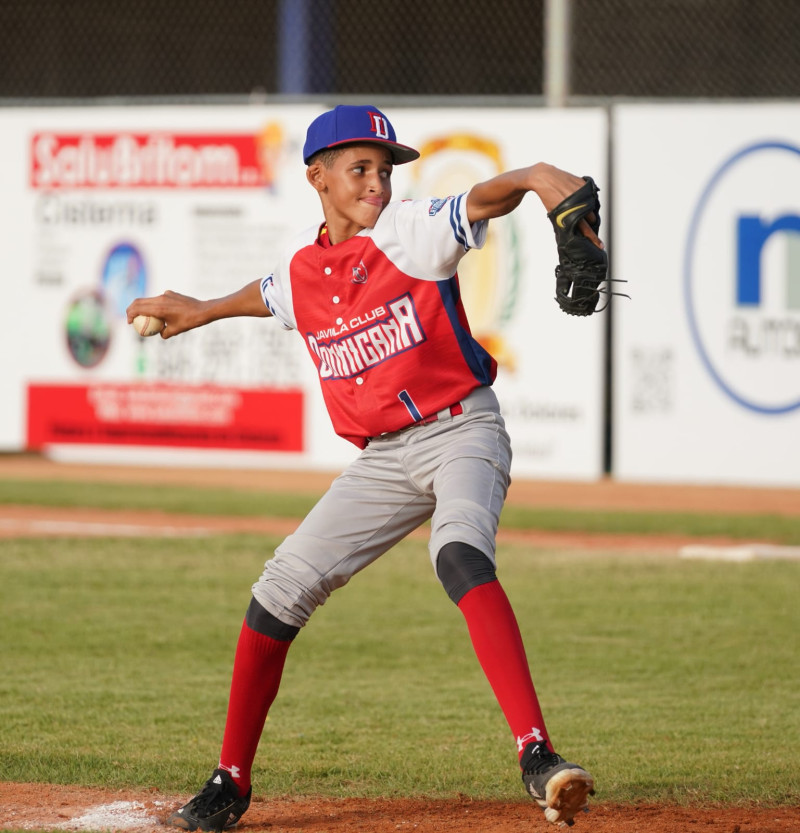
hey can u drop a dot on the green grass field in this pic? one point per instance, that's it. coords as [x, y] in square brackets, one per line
[672, 681]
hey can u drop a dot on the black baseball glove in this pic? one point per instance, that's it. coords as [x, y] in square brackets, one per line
[582, 266]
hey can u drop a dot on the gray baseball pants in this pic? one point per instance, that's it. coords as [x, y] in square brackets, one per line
[454, 471]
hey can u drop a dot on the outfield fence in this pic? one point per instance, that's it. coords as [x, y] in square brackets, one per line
[611, 48]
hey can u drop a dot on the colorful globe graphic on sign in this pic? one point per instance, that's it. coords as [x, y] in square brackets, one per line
[88, 329]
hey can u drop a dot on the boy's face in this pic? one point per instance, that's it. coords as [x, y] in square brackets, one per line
[357, 186]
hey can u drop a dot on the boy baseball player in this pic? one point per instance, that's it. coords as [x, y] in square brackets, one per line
[373, 290]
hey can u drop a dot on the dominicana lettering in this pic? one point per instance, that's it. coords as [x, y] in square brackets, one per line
[357, 350]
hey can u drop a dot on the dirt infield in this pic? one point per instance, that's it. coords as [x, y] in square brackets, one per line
[29, 806]
[54, 807]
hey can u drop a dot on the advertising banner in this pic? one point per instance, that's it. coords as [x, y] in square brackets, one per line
[707, 353]
[104, 204]
[165, 415]
[101, 205]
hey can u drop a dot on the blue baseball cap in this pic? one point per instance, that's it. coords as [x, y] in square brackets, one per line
[350, 124]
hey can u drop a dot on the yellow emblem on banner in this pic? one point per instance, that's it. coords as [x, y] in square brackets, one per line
[489, 277]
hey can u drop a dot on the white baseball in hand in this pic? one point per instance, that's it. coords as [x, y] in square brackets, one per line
[148, 325]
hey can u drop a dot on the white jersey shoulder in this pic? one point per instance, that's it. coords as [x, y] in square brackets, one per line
[426, 238]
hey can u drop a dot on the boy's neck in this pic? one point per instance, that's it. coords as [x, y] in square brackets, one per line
[336, 234]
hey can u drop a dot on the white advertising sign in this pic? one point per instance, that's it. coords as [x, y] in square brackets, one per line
[101, 205]
[707, 353]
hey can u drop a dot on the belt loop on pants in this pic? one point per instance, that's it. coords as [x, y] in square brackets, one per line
[445, 413]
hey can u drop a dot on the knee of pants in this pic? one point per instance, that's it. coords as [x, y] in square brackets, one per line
[291, 589]
[461, 567]
[466, 522]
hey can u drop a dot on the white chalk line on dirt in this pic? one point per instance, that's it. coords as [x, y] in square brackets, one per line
[43, 527]
[119, 815]
[90, 528]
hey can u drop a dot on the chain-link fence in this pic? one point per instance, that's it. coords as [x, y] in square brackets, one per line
[645, 48]
[678, 48]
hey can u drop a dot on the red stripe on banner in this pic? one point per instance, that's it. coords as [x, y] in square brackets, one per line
[159, 159]
[165, 415]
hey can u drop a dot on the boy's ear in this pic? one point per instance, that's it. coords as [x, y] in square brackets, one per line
[315, 174]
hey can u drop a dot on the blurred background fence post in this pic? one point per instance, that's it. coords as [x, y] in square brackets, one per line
[557, 25]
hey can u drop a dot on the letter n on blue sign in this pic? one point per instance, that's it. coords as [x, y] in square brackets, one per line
[752, 234]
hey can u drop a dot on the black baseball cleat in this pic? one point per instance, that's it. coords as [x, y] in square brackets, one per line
[217, 807]
[561, 789]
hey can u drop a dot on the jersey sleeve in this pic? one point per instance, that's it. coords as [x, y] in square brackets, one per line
[274, 297]
[429, 236]
[276, 288]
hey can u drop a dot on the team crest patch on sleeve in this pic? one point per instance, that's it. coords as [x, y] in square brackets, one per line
[267, 285]
[437, 205]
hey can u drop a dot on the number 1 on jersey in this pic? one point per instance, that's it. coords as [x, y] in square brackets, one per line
[404, 397]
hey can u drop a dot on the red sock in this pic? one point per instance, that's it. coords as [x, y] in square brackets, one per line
[498, 645]
[257, 671]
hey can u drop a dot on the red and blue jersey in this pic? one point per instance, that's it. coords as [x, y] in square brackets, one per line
[382, 317]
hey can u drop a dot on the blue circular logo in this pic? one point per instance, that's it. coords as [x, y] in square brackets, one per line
[749, 332]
